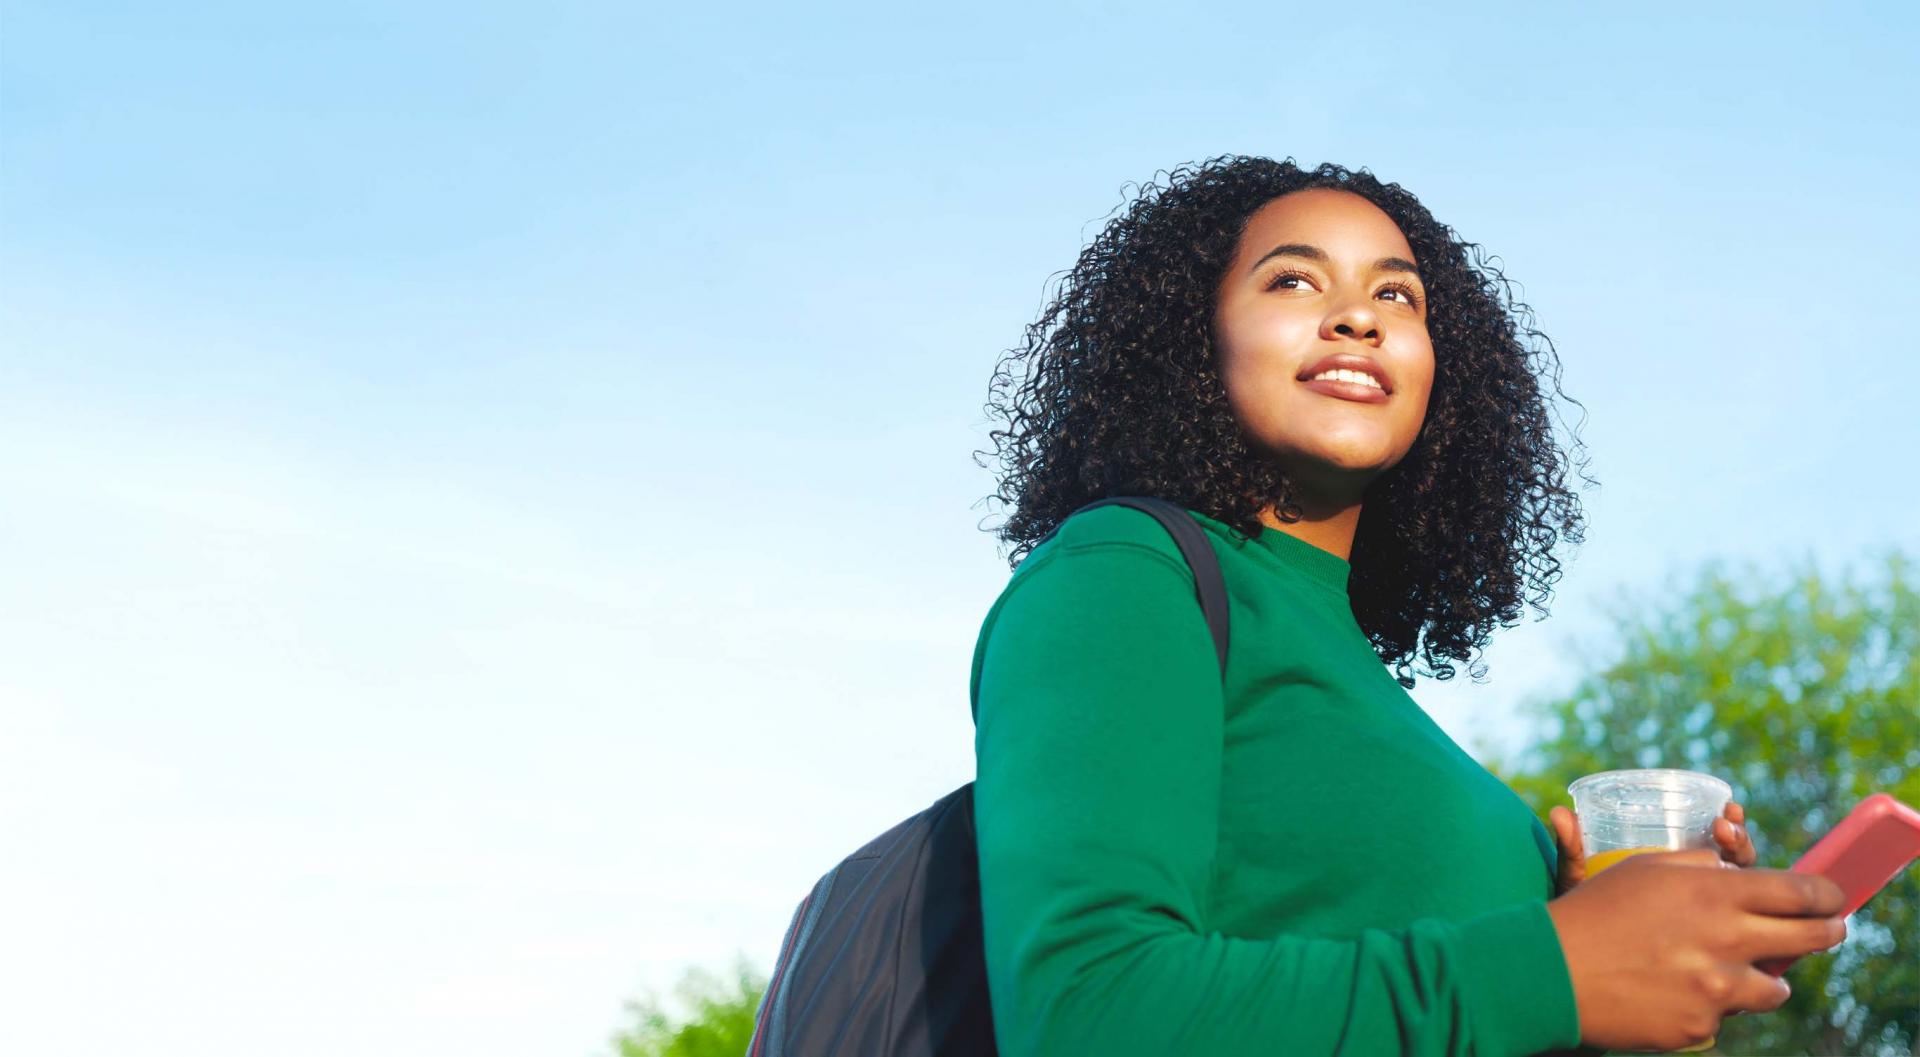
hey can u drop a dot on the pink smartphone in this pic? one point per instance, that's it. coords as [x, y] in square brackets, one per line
[1869, 847]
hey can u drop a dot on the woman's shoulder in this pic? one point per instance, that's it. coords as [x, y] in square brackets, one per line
[1115, 531]
[1112, 525]
[1103, 574]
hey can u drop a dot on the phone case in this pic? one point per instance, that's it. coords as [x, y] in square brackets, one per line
[1876, 840]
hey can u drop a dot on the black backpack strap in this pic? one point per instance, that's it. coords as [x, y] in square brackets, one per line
[1209, 584]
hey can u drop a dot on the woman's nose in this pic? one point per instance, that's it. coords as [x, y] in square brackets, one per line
[1353, 318]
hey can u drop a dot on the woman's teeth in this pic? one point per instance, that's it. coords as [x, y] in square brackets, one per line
[1361, 377]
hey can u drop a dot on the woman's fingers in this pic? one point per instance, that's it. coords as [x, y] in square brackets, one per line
[1736, 843]
[1775, 937]
[1784, 893]
[1566, 826]
[1572, 868]
[1757, 992]
[1566, 833]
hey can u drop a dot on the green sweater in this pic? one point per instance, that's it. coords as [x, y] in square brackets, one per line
[1295, 862]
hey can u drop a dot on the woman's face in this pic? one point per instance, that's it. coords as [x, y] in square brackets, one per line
[1324, 273]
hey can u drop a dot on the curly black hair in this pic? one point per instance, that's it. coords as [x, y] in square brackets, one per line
[1122, 395]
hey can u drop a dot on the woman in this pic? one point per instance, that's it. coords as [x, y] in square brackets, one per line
[1294, 859]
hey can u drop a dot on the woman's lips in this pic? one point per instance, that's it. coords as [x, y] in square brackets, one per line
[1359, 392]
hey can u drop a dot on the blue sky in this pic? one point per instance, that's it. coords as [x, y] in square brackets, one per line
[489, 490]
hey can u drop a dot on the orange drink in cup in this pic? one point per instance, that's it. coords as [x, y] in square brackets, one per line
[1628, 813]
[1597, 863]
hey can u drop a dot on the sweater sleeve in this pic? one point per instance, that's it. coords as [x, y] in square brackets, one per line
[1099, 739]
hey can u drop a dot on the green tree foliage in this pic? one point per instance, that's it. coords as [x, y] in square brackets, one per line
[719, 1022]
[1805, 696]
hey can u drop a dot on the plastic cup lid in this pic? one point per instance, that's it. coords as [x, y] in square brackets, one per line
[1652, 791]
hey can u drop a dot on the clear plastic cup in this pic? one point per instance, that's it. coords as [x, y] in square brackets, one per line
[1625, 813]
[1653, 809]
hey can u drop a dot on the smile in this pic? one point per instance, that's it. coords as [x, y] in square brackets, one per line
[1359, 392]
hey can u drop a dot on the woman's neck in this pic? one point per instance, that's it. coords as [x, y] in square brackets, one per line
[1329, 528]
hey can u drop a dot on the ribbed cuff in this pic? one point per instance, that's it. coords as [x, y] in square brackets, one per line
[1515, 977]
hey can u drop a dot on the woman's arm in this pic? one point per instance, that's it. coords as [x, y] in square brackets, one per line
[1100, 727]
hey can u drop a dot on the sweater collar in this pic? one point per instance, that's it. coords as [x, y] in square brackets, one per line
[1322, 567]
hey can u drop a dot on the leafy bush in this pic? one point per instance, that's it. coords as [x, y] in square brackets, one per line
[719, 1021]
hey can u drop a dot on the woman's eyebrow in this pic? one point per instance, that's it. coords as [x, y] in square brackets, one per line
[1318, 255]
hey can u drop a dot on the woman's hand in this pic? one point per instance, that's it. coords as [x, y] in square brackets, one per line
[1661, 950]
[1729, 832]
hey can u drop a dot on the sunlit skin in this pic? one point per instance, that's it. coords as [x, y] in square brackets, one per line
[1347, 284]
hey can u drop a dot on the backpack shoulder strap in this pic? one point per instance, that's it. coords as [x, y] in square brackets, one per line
[1209, 584]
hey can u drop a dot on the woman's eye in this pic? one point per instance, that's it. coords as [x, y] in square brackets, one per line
[1298, 280]
[1410, 298]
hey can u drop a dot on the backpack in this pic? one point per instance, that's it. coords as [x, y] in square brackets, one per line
[885, 956]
